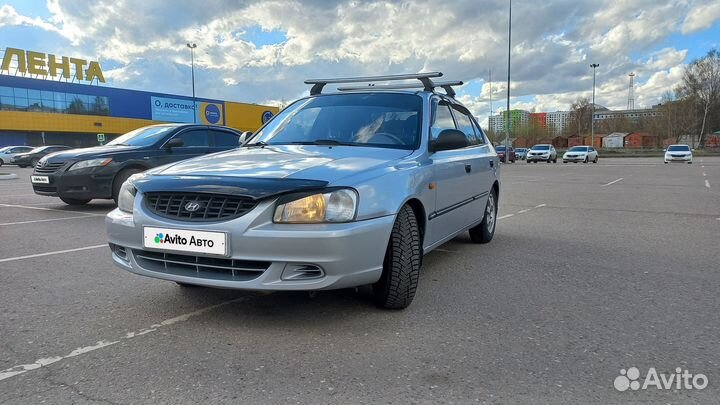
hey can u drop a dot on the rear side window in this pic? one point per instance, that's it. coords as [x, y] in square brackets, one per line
[196, 138]
[224, 139]
[464, 124]
[442, 119]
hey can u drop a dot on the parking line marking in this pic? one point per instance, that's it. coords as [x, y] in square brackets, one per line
[612, 182]
[57, 252]
[704, 174]
[524, 211]
[47, 209]
[44, 362]
[707, 184]
[506, 216]
[540, 206]
[46, 220]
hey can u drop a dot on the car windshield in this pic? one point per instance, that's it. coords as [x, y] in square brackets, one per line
[678, 148]
[541, 147]
[500, 148]
[578, 149]
[38, 149]
[142, 136]
[520, 150]
[4, 149]
[376, 120]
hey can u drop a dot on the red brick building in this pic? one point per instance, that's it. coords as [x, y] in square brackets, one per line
[641, 140]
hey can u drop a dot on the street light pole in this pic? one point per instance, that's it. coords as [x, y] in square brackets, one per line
[592, 115]
[507, 128]
[192, 47]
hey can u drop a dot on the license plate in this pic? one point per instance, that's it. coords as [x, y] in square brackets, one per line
[40, 179]
[183, 240]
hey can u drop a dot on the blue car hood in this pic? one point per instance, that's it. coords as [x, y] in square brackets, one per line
[319, 163]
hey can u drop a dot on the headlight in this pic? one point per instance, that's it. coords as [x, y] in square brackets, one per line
[333, 206]
[126, 197]
[90, 163]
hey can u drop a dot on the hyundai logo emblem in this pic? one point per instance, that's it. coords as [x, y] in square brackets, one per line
[192, 206]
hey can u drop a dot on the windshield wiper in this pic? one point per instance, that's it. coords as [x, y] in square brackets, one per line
[331, 142]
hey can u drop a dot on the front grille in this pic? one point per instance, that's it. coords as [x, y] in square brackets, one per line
[678, 155]
[200, 266]
[212, 207]
[45, 189]
[49, 168]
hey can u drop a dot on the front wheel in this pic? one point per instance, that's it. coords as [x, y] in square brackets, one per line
[485, 230]
[595, 160]
[75, 201]
[401, 267]
[586, 160]
[1, 162]
[120, 179]
[33, 162]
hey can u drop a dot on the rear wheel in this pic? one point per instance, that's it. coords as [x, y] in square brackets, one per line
[75, 201]
[120, 179]
[401, 267]
[485, 230]
[1, 162]
[595, 160]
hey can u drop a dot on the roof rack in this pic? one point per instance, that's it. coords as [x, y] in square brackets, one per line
[424, 78]
[446, 85]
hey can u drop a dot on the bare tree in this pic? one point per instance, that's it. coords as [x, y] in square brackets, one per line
[579, 120]
[701, 83]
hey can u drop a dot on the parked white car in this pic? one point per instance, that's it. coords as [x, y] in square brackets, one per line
[7, 153]
[583, 154]
[678, 153]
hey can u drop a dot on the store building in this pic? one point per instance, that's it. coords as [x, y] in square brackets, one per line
[38, 111]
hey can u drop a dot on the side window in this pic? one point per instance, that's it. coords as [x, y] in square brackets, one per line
[442, 119]
[464, 124]
[224, 139]
[479, 133]
[196, 138]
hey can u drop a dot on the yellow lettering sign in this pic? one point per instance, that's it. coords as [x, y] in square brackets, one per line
[9, 53]
[38, 63]
[94, 71]
[53, 66]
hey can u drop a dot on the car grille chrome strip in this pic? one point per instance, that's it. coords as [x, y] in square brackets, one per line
[210, 207]
[200, 266]
[49, 168]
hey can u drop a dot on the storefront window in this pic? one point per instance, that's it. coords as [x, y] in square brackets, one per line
[19, 99]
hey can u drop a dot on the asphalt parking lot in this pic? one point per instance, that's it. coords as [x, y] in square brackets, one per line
[594, 269]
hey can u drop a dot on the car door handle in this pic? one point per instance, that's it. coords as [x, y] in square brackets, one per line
[468, 168]
[492, 163]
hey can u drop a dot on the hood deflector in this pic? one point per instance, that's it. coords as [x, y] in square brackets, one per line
[255, 188]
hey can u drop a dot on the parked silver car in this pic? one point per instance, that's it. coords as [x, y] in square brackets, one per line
[7, 153]
[338, 190]
[542, 152]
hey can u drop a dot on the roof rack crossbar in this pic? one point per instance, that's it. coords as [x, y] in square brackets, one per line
[446, 85]
[318, 84]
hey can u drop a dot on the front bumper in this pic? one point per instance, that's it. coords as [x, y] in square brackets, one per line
[682, 159]
[538, 158]
[574, 158]
[347, 254]
[81, 184]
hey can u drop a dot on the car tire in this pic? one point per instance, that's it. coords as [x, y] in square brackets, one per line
[75, 201]
[485, 230]
[564, 161]
[34, 162]
[595, 160]
[1, 162]
[24, 166]
[586, 160]
[555, 160]
[120, 179]
[401, 266]
[689, 163]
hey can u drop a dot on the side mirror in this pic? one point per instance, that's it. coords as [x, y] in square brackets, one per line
[449, 139]
[174, 143]
[664, 150]
[244, 137]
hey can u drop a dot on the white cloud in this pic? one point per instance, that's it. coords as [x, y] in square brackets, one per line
[553, 44]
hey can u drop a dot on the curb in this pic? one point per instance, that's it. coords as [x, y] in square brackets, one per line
[8, 176]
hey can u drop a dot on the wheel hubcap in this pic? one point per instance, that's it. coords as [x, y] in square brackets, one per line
[490, 213]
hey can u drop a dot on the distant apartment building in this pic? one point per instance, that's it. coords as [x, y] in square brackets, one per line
[556, 121]
[518, 118]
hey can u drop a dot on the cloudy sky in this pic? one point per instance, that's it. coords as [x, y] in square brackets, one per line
[261, 51]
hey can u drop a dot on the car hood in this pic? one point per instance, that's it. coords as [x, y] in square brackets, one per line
[287, 161]
[88, 153]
